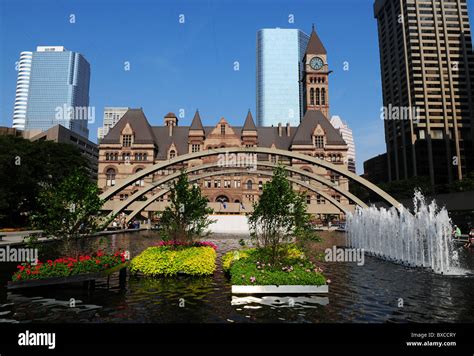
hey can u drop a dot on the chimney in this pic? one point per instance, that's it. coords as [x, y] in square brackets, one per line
[279, 129]
[288, 129]
[170, 121]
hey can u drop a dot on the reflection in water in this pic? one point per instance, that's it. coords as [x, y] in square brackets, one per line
[290, 302]
[369, 293]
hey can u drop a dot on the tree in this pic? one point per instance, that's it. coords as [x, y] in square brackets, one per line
[465, 185]
[404, 189]
[69, 209]
[25, 167]
[279, 215]
[186, 218]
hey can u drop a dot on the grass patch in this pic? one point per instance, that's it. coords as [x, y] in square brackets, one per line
[170, 261]
[251, 267]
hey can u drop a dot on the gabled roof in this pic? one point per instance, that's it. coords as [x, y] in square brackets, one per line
[267, 136]
[310, 120]
[315, 46]
[196, 124]
[249, 124]
[139, 123]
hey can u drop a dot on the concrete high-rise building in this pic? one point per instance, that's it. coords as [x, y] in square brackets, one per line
[279, 75]
[111, 116]
[427, 67]
[52, 89]
[346, 134]
[22, 87]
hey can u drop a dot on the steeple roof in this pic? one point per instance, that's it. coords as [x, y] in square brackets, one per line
[196, 124]
[249, 124]
[315, 46]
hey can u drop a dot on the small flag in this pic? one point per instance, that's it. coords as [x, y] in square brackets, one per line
[242, 206]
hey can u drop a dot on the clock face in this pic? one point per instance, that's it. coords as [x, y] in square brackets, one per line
[316, 63]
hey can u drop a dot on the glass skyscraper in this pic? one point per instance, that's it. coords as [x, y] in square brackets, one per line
[52, 89]
[279, 73]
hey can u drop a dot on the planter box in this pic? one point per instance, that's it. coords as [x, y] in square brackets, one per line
[63, 280]
[273, 289]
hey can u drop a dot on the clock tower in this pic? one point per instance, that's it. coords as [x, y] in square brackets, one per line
[315, 77]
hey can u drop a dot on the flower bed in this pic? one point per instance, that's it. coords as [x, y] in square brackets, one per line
[69, 266]
[251, 267]
[172, 258]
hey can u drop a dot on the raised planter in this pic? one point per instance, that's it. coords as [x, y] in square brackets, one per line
[64, 280]
[285, 289]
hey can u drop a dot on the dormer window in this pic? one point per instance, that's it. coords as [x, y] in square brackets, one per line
[126, 140]
[319, 141]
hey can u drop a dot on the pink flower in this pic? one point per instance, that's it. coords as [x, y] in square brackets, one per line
[328, 281]
[252, 279]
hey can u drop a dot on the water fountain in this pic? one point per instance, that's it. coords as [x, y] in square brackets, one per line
[419, 239]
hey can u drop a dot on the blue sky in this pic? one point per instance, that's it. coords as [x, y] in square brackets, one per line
[190, 65]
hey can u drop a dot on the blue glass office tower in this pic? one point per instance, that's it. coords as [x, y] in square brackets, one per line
[279, 73]
[54, 91]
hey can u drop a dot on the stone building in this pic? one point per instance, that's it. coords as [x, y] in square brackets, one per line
[133, 144]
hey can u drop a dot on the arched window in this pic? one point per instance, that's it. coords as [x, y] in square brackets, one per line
[249, 184]
[317, 97]
[222, 199]
[312, 96]
[172, 154]
[323, 96]
[110, 177]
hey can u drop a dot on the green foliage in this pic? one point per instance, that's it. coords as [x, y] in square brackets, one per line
[404, 189]
[310, 236]
[186, 218]
[232, 256]
[165, 261]
[252, 266]
[467, 184]
[279, 215]
[68, 209]
[25, 168]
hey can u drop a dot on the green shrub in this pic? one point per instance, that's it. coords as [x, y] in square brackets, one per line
[163, 261]
[252, 266]
[233, 256]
